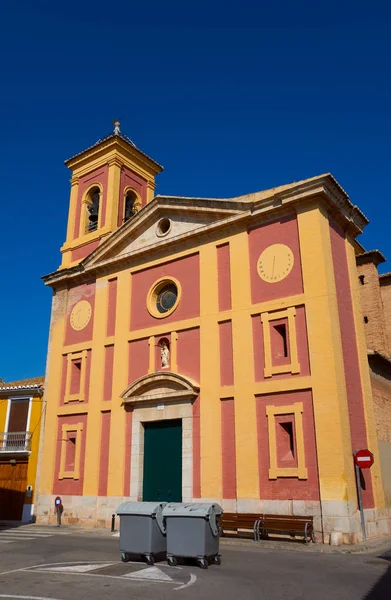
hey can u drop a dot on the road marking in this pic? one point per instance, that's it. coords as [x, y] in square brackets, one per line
[16, 538]
[25, 597]
[77, 568]
[151, 573]
[193, 579]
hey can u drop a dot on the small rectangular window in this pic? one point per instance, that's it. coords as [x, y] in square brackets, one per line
[75, 376]
[285, 439]
[282, 342]
[70, 452]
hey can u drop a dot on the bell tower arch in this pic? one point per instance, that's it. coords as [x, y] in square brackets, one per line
[111, 181]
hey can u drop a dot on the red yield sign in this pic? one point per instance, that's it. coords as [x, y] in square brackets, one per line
[364, 459]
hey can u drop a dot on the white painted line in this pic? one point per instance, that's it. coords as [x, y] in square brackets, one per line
[25, 597]
[24, 533]
[77, 568]
[115, 534]
[17, 538]
[6, 541]
[193, 579]
[81, 562]
[121, 577]
[151, 573]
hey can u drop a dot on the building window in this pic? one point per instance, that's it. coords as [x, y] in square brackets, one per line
[16, 437]
[70, 451]
[366, 319]
[286, 441]
[362, 279]
[280, 341]
[92, 204]
[75, 376]
[163, 297]
[131, 206]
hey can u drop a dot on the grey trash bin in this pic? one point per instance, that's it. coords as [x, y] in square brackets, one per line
[142, 530]
[193, 532]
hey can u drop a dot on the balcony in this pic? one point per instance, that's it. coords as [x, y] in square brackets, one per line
[15, 441]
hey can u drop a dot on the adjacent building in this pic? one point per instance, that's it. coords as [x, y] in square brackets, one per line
[21, 423]
[208, 348]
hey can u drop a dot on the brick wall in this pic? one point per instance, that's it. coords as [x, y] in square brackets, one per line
[372, 307]
[385, 290]
[381, 390]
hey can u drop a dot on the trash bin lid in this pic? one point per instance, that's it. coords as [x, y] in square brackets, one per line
[202, 509]
[140, 508]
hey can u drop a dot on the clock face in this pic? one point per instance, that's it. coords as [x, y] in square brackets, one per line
[275, 263]
[80, 315]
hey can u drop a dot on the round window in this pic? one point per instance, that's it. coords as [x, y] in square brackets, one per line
[163, 227]
[163, 297]
[167, 298]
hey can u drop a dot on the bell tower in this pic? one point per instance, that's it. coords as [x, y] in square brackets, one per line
[111, 181]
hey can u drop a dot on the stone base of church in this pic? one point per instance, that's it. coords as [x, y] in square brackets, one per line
[335, 522]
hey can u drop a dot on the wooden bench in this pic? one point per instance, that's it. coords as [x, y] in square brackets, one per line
[285, 524]
[262, 525]
[236, 521]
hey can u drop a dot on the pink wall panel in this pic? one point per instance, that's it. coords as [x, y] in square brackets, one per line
[130, 179]
[104, 454]
[284, 488]
[83, 251]
[224, 277]
[350, 354]
[70, 486]
[302, 344]
[128, 449]
[138, 359]
[86, 291]
[111, 306]
[98, 176]
[228, 448]
[186, 271]
[283, 231]
[188, 353]
[108, 373]
[226, 353]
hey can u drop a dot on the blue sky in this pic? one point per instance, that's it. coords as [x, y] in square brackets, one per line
[229, 98]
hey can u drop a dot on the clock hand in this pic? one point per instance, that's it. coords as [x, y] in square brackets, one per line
[274, 262]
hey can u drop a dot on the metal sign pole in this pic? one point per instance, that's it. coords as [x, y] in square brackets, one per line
[360, 505]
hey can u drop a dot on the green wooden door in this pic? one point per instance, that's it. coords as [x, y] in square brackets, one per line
[163, 461]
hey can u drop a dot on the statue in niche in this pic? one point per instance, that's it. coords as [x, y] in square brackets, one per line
[165, 354]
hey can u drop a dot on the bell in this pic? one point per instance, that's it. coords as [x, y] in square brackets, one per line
[93, 217]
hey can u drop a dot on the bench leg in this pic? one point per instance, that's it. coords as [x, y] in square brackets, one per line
[305, 533]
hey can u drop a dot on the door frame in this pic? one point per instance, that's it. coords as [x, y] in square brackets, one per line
[162, 412]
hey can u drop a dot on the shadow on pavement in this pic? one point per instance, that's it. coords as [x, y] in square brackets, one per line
[382, 589]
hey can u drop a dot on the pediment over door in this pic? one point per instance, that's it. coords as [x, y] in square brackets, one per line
[160, 387]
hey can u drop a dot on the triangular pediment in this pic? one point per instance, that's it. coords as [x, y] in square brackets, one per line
[161, 222]
[160, 387]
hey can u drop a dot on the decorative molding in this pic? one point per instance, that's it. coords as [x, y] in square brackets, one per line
[296, 410]
[155, 387]
[75, 474]
[80, 395]
[293, 366]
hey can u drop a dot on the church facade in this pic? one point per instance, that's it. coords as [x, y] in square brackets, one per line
[205, 348]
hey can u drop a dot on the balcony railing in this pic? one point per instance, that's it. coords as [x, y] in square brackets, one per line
[15, 441]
